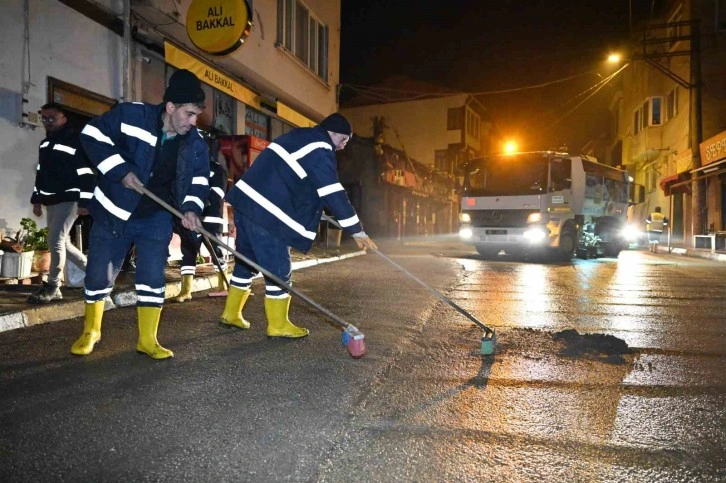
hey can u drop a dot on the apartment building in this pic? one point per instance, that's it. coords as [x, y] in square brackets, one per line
[669, 117]
[268, 66]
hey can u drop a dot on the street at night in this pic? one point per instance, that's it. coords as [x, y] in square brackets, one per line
[604, 370]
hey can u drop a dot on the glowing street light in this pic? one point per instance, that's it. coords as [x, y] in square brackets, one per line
[510, 147]
[614, 58]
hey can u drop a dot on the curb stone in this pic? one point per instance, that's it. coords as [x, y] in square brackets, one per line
[43, 314]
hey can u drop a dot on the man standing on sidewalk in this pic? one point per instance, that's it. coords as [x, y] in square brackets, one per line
[655, 223]
[64, 185]
[278, 203]
[135, 145]
[191, 241]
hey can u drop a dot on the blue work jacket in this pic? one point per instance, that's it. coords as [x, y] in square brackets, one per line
[289, 184]
[126, 139]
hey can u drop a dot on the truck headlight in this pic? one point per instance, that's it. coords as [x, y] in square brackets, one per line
[465, 233]
[630, 233]
[464, 218]
[534, 218]
[535, 234]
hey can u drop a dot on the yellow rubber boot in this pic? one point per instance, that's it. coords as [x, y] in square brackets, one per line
[278, 324]
[186, 289]
[91, 329]
[232, 314]
[148, 326]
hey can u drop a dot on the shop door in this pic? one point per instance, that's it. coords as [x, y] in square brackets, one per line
[677, 218]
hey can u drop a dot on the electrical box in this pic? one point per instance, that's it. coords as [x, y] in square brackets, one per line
[32, 118]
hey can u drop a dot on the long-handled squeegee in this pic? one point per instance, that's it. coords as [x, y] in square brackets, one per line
[489, 338]
[353, 338]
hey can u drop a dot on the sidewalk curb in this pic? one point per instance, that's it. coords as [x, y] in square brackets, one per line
[43, 314]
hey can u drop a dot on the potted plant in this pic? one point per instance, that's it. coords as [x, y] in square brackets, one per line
[18, 261]
[36, 240]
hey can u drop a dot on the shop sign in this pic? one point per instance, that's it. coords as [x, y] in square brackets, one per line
[181, 60]
[218, 26]
[713, 149]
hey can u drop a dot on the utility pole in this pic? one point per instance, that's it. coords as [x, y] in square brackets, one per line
[696, 127]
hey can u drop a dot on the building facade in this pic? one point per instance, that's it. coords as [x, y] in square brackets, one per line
[394, 195]
[672, 97]
[88, 55]
[440, 130]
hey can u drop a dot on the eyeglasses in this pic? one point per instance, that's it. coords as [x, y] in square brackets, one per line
[48, 120]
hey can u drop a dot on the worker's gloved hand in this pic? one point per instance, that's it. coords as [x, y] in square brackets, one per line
[363, 241]
[191, 221]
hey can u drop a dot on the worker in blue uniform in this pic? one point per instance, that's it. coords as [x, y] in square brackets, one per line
[191, 241]
[134, 145]
[277, 204]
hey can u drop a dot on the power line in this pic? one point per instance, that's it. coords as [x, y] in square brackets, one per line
[387, 94]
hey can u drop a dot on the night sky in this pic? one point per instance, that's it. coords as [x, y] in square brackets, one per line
[482, 46]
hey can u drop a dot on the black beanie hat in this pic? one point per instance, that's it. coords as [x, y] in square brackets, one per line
[337, 123]
[184, 88]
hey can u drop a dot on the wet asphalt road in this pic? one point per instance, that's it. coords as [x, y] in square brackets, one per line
[423, 405]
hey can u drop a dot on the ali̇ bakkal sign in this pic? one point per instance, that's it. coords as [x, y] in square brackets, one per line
[218, 27]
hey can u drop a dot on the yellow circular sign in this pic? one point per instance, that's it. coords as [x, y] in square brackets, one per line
[218, 26]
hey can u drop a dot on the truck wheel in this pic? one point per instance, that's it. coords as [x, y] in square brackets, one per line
[612, 249]
[487, 253]
[566, 250]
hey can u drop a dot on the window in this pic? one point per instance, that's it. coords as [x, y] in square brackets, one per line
[256, 123]
[454, 119]
[671, 103]
[472, 124]
[300, 33]
[442, 161]
[649, 114]
[656, 111]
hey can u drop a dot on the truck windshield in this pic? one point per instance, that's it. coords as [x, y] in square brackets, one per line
[518, 174]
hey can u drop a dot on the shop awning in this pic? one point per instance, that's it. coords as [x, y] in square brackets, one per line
[677, 183]
[710, 167]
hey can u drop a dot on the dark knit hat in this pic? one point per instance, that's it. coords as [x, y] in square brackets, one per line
[184, 88]
[337, 123]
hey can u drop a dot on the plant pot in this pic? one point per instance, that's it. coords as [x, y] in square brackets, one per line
[41, 261]
[17, 265]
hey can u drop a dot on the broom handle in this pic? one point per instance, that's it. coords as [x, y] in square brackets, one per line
[423, 284]
[342, 323]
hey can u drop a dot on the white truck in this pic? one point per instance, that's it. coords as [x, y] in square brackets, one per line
[544, 203]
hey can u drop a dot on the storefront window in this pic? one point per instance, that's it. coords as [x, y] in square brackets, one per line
[279, 128]
[224, 112]
[256, 123]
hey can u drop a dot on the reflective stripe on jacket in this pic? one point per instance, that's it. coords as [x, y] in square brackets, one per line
[63, 172]
[656, 221]
[289, 184]
[125, 139]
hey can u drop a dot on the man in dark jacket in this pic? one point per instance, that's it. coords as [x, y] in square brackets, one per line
[63, 184]
[278, 203]
[135, 145]
[191, 241]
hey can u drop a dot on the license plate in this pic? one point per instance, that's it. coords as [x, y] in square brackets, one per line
[495, 232]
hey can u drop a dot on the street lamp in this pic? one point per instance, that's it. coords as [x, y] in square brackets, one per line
[510, 147]
[615, 58]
